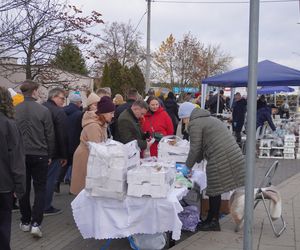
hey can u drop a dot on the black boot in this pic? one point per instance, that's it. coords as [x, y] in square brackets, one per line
[213, 225]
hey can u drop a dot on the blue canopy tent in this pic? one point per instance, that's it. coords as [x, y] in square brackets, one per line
[268, 74]
[274, 89]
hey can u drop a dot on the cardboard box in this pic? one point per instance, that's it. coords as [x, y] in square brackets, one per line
[205, 207]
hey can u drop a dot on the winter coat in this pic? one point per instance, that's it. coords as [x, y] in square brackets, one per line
[119, 110]
[35, 124]
[157, 122]
[211, 140]
[171, 107]
[74, 118]
[239, 110]
[129, 129]
[12, 158]
[59, 119]
[264, 115]
[213, 104]
[93, 131]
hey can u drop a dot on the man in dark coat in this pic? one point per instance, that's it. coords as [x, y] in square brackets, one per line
[12, 166]
[131, 98]
[261, 102]
[74, 118]
[129, 126]
[264, 115]
[35, 123]
[55, 103]
[239, 109]
[171, 107]
[211, 140]
[213, 103]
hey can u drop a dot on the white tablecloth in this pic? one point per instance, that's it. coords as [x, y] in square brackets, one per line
[103, 218]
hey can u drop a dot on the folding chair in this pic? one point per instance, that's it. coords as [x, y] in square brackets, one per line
[259, 196]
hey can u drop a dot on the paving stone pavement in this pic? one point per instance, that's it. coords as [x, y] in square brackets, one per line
[60, 231]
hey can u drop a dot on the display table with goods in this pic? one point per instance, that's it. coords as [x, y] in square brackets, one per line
[126, 196]
[284, 143]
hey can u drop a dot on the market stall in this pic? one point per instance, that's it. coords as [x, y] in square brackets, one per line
[126, 196]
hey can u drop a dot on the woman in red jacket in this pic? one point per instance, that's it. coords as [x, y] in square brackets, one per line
[157, 122]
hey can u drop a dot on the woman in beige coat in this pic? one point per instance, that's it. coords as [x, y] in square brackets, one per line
[94, 126]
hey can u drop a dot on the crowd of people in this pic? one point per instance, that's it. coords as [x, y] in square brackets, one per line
[46, 144]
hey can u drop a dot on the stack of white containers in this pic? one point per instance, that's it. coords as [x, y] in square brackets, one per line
[173, 148]
[153, 179]
[107, 168]
[289, 146]
[265, 148]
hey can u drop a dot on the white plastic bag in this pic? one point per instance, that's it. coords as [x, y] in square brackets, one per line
[149, 241]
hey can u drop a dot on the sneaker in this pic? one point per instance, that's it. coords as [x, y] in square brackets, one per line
[25, 227]
[52, 211]
[36, 230]
[210, 226]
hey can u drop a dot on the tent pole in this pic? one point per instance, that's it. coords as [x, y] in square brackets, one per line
[218, 101]
[251, 124]
[232, 93]
[203, 95]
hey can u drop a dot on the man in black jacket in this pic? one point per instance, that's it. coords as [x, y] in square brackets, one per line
[12, 166]
[239, 109]
[131, 98]
[129, 127]
[35, 124]
[74, 118]
[55, 103]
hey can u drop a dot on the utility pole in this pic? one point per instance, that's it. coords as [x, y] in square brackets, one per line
[148, 58]
[251, 124]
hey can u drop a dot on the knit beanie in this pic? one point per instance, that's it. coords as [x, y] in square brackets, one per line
[92, 98]
[185, 110]
[105, 105]
[73, 97]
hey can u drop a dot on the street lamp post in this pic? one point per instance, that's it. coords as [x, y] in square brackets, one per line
[148, 58]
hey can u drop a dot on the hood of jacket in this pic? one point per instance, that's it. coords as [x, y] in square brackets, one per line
[71, 108]
[90, 117]
[198, 112]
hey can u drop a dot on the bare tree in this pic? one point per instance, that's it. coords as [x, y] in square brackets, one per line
[41, 27]
[119, 42]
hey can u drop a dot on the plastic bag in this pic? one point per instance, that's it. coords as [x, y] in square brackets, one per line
[189, 218]
[149, 241]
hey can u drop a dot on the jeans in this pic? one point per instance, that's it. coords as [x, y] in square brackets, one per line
[36, 170]
[65, 173]
[52, 175]
[6, 202]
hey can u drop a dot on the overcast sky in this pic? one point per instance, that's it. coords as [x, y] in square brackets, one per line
[226, 25]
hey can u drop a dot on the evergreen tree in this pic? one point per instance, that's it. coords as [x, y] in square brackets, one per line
[121, 78]
[69, 58]
[111, 76]
[138, 80]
